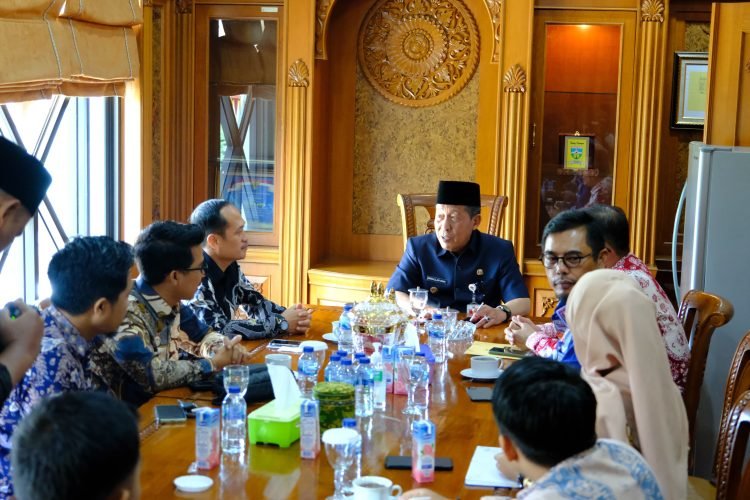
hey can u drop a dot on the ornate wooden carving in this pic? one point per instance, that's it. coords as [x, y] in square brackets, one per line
[299, 74]
[732, 478]
[738, 382]
[547, 304]
[652, 11]
[495, 8]
[322, 10]
[418, 53]
[514, 79]
[184, 6]
[513, 153]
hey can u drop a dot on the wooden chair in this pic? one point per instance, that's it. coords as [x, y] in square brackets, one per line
[700, 313]
[407, 203]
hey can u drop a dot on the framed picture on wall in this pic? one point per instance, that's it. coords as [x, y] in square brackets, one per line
[689, 90]
[577, 151]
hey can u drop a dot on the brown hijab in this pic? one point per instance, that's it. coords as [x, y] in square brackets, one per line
[623, 358]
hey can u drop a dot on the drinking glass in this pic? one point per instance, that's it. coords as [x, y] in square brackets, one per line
[417, 301]
[419, 374]
[236, 376]
[340, 450]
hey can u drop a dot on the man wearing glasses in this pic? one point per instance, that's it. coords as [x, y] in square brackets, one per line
[161, 344]
[572, 245]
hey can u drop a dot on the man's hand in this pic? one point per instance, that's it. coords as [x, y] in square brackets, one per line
[231, 353]
[21, 337]
[486, 317]
[506, 467]
[422, 494]
[298, 318]
[519, 331]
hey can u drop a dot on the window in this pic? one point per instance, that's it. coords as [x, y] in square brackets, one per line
[77, 140]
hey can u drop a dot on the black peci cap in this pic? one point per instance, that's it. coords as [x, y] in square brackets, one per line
[22, 176]
[459, 193]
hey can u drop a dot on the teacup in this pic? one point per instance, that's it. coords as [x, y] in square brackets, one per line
[484, 366]
[279, 359]
[375, 488]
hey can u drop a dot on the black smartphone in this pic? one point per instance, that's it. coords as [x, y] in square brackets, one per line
[168, 414]
[479, 393]
[401, 462]
[285, 345]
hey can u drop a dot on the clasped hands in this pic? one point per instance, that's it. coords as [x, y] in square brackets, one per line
[519, 331]
[299, 319]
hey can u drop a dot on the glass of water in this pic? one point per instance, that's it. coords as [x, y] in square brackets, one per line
[340, 450]
[236, 376]
[419, 375]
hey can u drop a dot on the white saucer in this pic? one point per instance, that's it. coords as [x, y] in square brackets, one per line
[193, 483]
[330, 337]
[468, 373]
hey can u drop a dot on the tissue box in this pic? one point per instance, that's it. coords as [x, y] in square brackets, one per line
[270, 425]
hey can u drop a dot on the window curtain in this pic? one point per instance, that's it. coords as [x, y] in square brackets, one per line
[69, 47]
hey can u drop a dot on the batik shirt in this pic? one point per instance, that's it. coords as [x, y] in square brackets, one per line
[157, 347]
[225, 296]
[610, 470]
[62, 366]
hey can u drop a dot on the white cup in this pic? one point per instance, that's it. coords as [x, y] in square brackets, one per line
[279, 359]
[375, 488]
[484, 366]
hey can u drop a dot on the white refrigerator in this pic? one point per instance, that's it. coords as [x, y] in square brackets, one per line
[716, 259]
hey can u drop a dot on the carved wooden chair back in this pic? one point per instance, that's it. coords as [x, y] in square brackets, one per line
[700, 313]
[408, 202]
[732, 482]
[738, 381]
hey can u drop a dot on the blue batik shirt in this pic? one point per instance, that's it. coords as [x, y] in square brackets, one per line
[564, 350]
[62, 366]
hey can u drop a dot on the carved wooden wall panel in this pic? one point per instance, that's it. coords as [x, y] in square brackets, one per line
[418, 53]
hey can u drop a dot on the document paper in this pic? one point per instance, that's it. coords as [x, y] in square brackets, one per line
[483, 471]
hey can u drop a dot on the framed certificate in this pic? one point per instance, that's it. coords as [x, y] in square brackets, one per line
[690, 90]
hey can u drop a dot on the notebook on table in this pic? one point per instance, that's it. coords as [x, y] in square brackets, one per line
[483, 470]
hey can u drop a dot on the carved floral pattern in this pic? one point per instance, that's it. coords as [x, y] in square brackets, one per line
[652, 11]
[418, 52]
[514, 79]
[299, 74]
[495, 7]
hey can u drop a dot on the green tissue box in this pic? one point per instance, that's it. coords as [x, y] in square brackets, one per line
[270, 425]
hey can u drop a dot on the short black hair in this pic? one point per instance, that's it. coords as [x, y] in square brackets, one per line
[88, 268]
[473, 211]
[571, 219]
[74, 445]
[165, 246]
[546, 409]
[615, 226]
[208, 217]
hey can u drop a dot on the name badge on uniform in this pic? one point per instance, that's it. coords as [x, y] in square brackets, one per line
[480, 272]
[437, 280]
[433, 290]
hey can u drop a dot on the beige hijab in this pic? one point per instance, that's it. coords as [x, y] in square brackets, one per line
[623, 358]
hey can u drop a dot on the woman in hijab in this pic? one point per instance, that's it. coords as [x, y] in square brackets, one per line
[623, 358]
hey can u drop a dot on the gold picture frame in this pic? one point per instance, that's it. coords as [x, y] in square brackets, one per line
[690, 90]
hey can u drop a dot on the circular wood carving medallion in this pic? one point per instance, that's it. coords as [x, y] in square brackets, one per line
[418, 52]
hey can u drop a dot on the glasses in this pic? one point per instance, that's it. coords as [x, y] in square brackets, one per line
[571, 260]
[202, 268]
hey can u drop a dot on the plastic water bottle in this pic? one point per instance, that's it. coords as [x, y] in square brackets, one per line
[331, 372]
[346, 341]
[363, 389]
[354, 470]
[233, 428]
[359, 356]
[436, 337]
[347, 374]
[378, 376]
[307, 372]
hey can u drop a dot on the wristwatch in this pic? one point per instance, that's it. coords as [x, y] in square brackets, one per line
[283, 325]
[506, 309]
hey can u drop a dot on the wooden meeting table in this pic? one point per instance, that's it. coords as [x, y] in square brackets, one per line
[272, 472]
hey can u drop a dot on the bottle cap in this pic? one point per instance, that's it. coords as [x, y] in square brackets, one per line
[419, 354]
[349, 422]
[233, 389]
[364, 361]
[308, 348]
[437, 315]
[360, 355]
[334, 357]
[348, 306]
[343, 354]
[346, 362]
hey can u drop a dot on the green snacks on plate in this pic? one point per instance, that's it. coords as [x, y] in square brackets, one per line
[336, 400]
